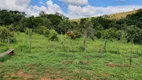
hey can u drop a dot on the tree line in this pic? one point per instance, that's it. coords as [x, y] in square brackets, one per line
[127, 29]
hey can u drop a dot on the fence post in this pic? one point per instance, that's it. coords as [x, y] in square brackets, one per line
[105, 44]
[130, 59]
[69, 45]
[61, 40]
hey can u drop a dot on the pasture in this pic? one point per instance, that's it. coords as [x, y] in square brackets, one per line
[65, 60]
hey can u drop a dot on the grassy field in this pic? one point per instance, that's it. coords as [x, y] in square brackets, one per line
[65, 60]
[121, 15]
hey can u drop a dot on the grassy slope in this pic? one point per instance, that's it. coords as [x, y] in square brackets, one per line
[115, 16]
[53, 61]
[121, 15]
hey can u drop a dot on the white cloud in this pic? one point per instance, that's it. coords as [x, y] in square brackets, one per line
[24, 6]
[76, 2]
[20, 5]
[89, 11]
[75, 8]
[50, 8]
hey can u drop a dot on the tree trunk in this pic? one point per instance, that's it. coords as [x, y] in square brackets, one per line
[11, 52]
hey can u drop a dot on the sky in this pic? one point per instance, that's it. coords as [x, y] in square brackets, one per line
[71, 8]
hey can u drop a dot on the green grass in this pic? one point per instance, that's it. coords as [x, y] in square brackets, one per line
[66, 61]
[118, 16]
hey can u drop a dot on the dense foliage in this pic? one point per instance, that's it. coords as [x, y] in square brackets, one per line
[129, 28]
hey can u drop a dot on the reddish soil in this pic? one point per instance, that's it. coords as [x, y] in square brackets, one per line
[1, 63]
[67, 62]
[51, 79]
[130, 79]
[111, 64]
[45, 78]
[24, 75]
[84, 62]
[116, 65]
[123, 65]
[83, 79]
[12, 74]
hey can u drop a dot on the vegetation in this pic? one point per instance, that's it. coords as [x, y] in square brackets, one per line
[50, 46]
[46, 62]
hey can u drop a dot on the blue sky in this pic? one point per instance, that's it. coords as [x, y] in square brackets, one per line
[71, 8]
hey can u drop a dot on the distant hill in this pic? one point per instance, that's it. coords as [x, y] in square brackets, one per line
[121, 15]
[115, 16]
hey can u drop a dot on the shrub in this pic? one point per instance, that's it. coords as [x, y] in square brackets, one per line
[29, 31]
[41, 29]
[77, 33]
[46, 32]
[98, 34]
[73, 34]
[6, 34]
[53, 35]
[120, 35]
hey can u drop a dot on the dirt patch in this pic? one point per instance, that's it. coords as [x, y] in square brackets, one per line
[83, 62]
[110, 64]
[45, 78]
[32, 66]
[105, 74]
[67, 62]
[77, 71]
[123, 65]
[24, 75]
[12, 74]
[83, 79]
[130, 79]
[1, 63]
[29, 65]
[49, 69]
[51, 79]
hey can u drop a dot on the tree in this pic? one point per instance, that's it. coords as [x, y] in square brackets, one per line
[6, 34]
[53, 35]
[88, 31]
[134, 34]
[65, 26]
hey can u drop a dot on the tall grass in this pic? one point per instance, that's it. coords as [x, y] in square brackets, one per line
[65, 59]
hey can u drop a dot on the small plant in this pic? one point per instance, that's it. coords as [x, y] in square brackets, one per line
[29, 32]
[6, 35]
[53, 35]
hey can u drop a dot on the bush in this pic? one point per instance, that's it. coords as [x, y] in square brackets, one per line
[134, 34]
[53, 35]
[98, 34]
[41, 29]
[77, 33]
[46, 32]
[73, 34]
[120, 35]
[29, 31]
[6, 34]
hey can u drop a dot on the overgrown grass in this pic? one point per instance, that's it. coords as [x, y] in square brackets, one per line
[65, 60]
